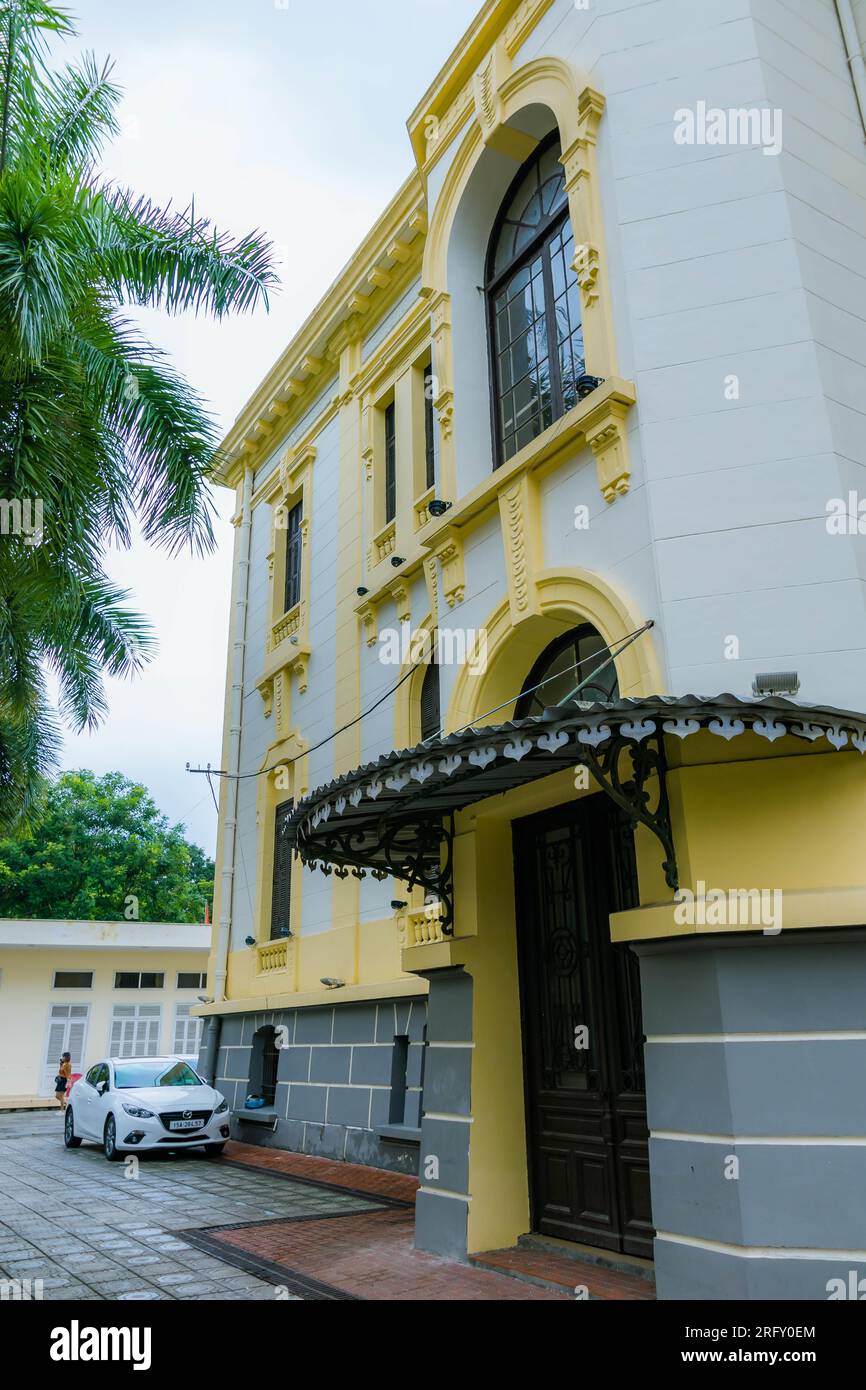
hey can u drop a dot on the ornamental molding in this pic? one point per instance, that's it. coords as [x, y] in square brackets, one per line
[448, 550]
[402, 597]
[431, 577]
[607, 436]
[521, 25]
[518, 518]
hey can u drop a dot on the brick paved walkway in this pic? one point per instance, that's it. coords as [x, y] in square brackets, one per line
[352, 1176]
[370, 1255]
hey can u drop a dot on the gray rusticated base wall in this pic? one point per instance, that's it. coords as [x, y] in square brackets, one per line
[333, 1079]
[442, 1205]
[775, 1100]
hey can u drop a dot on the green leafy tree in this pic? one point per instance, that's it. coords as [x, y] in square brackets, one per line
[96, 428]
[103, 851]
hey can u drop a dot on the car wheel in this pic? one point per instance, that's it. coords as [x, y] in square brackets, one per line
[109, 1141]
[213, 1150]
[69, 1138]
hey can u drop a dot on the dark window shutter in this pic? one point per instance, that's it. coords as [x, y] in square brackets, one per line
[430, 719]
[281, 897]
[429, 450]
[293, 557]
[390, 463]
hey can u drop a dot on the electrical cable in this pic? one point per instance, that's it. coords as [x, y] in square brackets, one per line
[287, 762]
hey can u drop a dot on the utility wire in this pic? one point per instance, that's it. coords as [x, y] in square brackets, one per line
[287, 762]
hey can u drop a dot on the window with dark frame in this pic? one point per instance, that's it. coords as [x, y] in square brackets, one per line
[281, 895]
[191, 979]
[430, 711]
[390, 463]
[577, 656]
[429, 446]
[135, 979]
[534, 313]
[73, 979]
[293, 556]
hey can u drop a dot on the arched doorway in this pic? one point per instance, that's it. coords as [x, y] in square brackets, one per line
[574, 865]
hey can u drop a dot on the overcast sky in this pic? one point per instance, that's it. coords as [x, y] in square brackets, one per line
[288, 117]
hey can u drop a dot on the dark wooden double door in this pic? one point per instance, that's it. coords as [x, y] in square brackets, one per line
[582, 1029]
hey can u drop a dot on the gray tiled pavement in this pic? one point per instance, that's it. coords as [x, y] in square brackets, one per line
[89, 1231]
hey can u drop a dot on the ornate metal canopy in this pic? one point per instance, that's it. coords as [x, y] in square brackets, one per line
[396, 816]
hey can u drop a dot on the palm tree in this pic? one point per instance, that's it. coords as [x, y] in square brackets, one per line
[95, 427]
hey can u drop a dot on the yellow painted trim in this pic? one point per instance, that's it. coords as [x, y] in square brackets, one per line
[804, 910]
[457, 92]
[355, 304]
[315, 998]
[563, 598]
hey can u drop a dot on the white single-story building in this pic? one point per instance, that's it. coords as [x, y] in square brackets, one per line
[94, 989]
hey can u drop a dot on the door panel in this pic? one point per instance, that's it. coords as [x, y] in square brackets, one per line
[67, 1032]
[580, 999]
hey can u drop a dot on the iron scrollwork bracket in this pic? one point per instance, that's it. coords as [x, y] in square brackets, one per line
[648, 766]
[426, 862]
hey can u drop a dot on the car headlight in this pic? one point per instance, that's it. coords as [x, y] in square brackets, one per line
[222, 1107]
[138, 1112]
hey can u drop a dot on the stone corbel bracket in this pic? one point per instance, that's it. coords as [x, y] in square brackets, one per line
[401, 593]
[369, 618]
[448, 550]
[607, 435]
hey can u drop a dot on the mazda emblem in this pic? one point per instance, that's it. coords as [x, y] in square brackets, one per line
[187, 1114]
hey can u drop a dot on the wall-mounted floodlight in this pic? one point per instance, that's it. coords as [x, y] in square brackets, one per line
[776, 683]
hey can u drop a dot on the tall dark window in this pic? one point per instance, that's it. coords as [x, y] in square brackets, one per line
[281, 895]
[390, 462]
[429, 448]
[534, 305]
[264, 1063]
[293, 557]
[430, 715]
[576, 656]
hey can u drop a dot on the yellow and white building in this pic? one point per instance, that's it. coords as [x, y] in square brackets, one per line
[571, 921]
[94, 989]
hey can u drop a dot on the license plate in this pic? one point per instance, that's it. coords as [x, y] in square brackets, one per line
[184, 1124]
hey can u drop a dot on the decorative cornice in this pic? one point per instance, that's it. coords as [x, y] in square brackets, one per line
[463, 82]
[393, 247]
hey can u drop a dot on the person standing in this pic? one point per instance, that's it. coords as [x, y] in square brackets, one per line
[61, 1080]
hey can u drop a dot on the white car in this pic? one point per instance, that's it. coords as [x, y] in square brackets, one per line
[131, 1103]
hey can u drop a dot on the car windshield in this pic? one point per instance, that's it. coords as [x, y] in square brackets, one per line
[129, 1076]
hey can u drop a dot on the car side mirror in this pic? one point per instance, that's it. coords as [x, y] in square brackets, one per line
[101, 1088]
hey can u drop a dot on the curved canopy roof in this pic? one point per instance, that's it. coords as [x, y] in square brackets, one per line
[394, 816]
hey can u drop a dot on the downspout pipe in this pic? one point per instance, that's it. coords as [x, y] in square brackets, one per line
[854, 54]
[233, 760]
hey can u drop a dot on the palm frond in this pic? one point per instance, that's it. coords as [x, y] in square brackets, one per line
[177, 261]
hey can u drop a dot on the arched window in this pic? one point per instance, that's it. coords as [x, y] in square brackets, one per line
[536, 338]
[430, 714]
[558, 668]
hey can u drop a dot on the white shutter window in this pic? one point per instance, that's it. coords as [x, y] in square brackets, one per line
[135, 1030]
[186, 1032]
